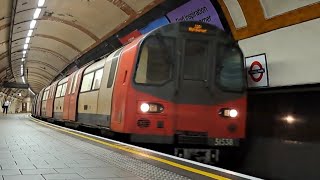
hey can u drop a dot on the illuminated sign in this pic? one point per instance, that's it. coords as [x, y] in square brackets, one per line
[196, 10]
[197, 28]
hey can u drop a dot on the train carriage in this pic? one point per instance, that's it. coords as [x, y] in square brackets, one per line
[182, 83]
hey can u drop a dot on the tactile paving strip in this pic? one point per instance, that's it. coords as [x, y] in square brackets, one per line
[135, 166]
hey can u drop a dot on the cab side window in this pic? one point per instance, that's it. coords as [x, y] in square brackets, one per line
[87, 82]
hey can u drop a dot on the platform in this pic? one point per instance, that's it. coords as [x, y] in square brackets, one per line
[33, 149]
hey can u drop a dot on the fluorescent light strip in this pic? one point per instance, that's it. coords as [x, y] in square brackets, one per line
[30, 32]
[23, 59]
[28, 40]
[33, 24]
[41, 3]
[25, 46]
[36, 13]
[23, 80]
[24, 52]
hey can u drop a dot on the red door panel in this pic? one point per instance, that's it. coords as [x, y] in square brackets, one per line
[50, 100]
[121, 85]
[67, 96]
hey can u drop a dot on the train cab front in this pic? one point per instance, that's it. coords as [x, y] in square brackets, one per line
[188, 87]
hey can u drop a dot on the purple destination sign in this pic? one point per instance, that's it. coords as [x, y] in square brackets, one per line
[196, 10]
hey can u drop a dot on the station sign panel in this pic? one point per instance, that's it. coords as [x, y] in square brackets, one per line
[257, 71]
[196, 10]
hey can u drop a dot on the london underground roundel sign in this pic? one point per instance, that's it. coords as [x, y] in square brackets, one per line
[257, 74]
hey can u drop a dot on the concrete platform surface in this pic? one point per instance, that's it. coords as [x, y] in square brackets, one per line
[31, 152]
[31, 149]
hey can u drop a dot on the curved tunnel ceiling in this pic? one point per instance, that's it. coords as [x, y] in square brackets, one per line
[63, 31]
[66, 29]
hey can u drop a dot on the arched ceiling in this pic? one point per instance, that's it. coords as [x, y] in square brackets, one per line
[63, 31]
[66, 29]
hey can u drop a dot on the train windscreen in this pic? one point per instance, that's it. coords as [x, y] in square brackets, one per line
[229, 68]
[183, 59]
[155, 65]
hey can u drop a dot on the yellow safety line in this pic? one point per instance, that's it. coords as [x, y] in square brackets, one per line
[187, 168]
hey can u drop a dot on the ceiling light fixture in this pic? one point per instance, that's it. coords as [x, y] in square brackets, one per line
[24, 52]
[23, 80]
[33, 24]
[25, 46]
[41, 3]
[30, 32]
[27, 40]
[23, 59]
[36, 13]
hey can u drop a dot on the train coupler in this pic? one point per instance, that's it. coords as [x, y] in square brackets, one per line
[207, 156]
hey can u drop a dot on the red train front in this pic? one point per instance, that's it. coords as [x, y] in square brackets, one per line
[182, 83]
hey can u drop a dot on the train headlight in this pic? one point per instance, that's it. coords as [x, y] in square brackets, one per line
[144, 107]
[151, 108]
[229, 113]
[233, 113]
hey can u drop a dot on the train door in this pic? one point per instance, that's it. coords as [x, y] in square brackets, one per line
[106, 88]
[50, 100]
[73, 102]
[67, 97]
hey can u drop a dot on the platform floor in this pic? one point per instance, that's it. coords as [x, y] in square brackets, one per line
[31, 149]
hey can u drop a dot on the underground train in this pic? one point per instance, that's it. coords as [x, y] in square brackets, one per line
[182, 83]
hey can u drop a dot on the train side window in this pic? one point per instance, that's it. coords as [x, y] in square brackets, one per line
[75, 82]
[58, 91]
[50, 92]
[97, 79]
[48, 95]
[155, 61]
[63, 90]
[44, 96]
[112, 71]
[87, 82]
[53, 88]
[71, 84]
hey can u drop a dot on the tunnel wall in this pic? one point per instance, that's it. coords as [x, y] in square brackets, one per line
[277, 147]
[292, 53]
